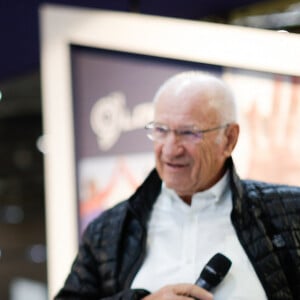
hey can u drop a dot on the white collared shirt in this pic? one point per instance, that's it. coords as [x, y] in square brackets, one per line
[182, 238]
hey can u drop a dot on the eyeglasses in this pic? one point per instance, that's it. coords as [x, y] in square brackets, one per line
[159, 132]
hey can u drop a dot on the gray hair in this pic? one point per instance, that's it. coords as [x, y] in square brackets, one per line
[221, 97]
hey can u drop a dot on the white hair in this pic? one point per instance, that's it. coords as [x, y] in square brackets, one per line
[220, 98]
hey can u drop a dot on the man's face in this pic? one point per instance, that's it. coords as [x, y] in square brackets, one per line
[189, 167]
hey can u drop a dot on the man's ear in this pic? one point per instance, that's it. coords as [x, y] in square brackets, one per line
[232, 134]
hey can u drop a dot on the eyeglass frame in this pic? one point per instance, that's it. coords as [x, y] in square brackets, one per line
[180, 131]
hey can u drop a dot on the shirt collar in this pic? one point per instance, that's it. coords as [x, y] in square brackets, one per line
[200, 200]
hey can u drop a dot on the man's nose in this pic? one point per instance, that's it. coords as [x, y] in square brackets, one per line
[172, 145]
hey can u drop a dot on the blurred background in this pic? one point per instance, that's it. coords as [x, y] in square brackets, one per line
[22, 210]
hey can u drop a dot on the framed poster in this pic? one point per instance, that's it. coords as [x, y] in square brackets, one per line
[100, 70]
[112, 102]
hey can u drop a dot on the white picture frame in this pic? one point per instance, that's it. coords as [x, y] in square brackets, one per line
[195, 41]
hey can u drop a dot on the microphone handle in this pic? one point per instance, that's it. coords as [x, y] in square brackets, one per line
[204, 284]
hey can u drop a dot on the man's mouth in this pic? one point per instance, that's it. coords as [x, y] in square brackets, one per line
[176, 165]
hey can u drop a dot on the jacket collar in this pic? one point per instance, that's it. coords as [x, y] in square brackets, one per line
[141, 202]
[236, 186]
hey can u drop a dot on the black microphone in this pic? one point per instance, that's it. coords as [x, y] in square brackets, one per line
[214, 271]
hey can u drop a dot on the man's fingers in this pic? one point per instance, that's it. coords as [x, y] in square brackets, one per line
[193, 291]
[182, 291]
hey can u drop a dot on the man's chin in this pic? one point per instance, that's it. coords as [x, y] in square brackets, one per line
[175, 185]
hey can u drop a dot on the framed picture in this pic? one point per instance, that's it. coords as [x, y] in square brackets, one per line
[100, 70]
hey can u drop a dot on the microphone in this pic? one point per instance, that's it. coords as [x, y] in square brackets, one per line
[214, 271]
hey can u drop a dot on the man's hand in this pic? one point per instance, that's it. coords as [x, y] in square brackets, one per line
[184, 291]
[275, 140]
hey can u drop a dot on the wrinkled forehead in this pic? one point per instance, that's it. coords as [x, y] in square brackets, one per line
[190, 100]
[192, 87]
[187, 103]
[188, 94]
[207, 89]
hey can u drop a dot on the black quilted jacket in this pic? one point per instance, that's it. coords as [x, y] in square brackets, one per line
[266, 218]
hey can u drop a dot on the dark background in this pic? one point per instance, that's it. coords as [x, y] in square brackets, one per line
[22, 214]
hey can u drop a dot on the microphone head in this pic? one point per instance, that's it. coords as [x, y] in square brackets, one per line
[216, 269]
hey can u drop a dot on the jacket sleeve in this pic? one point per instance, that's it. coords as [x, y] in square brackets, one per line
[92, 273]
[129, 294]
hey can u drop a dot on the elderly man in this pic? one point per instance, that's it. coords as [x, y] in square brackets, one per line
[193, 205]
